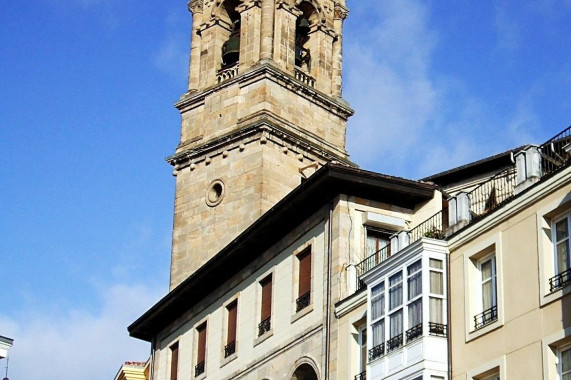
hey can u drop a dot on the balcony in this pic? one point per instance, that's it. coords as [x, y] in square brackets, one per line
[560, 281]
[394, 343]
[414, 333]
[376, 352]
[227, 73]
[304, 77]
[437, 329]
[264, 326]
[361, 376]
[229, 349]
[486, 317]
[199, 369]
[302, 302]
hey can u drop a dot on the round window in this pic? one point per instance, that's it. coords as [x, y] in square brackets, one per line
[215, 193]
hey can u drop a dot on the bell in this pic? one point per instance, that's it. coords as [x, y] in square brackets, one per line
[303, 27]
[231, 50]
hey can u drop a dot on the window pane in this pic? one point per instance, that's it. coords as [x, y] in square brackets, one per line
[378, 306]
[563, 256]
[266, 311]
[201, 354]
[304, 273]
[396, 323]
[395, 292]
[566, 362]
[363, 349]
[561, 230]
[414, 280]
[436, 264]
[378, 330]
[487, 295]
[435, 307]
[415, 313]
[436, 282]
[232, 315]
[174, 361]
[486, 269]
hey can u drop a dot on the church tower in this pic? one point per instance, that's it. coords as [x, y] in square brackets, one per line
[262, 112]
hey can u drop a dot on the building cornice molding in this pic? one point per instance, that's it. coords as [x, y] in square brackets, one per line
[266, 70]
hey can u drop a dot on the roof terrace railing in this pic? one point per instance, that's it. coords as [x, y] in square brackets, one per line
[492, 193]
[555, 151]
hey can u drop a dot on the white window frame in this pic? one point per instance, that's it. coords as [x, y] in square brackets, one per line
[567, 217]
[398, 309]
[560, 351]
[437, 296]
[478, 253]
[416, 298]
[380, 319]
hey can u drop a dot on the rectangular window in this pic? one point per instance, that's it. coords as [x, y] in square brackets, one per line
[377, 321]
[266, 306]
[414, 305]
[562, 254]
[489, 313]
[304, 285]
[378, 245]
[232, 314]
[395, 309]
[200, 350]
[565, 363]
[174, 361]
[363, 351]
[436, 324]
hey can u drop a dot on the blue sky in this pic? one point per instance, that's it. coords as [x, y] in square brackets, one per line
[86, 101]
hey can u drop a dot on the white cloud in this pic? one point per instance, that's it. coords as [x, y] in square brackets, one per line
[76, 343]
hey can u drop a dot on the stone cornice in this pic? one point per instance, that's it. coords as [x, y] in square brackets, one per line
[267, 71]
[260, 130]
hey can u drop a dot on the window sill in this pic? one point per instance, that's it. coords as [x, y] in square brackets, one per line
[473, 333]
[228, 359]
[302, 313]
[555, 295]
[263, 337]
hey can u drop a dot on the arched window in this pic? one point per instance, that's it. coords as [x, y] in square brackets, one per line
[304, 372]
[231, 48]
[302, 37]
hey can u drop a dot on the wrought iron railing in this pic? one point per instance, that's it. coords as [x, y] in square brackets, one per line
[414, 333]
[438, 329]
[433, 227]
[227, 72]
[486, 317]
[264, 326]
[304, 77]
[371, 262]
[199, 369]
[493, 193]
[361, 376]
[394, 343]
[302, 302]
[230, 348]
[554, 152]
[377, 351]
[560, 281]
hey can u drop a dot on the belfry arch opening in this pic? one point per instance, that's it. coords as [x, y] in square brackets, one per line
[231, 47]
[304, 372]
[303, 26]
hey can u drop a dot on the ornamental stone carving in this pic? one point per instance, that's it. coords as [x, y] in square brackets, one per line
[195, 6]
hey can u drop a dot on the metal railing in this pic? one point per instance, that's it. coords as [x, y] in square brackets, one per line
[302, 302]
[493, 193]
[371, 262]
[227, 73]
[486, 317]
[554, 152]
[394, 343]
[199, 368]
[438, 329]
[377, 351]
[560, 281]
[414, 333]
[433, 227]
[230, 348]
[264, 326]
[361, 376]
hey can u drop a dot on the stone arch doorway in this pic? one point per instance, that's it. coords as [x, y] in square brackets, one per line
[304, 372]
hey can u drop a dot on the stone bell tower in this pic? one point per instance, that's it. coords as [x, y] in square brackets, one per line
[263, 110]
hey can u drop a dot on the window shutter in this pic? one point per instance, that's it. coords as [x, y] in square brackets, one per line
[266, 298]
[174, 361]
[201, 353]
[232, 314]
[304, 273]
